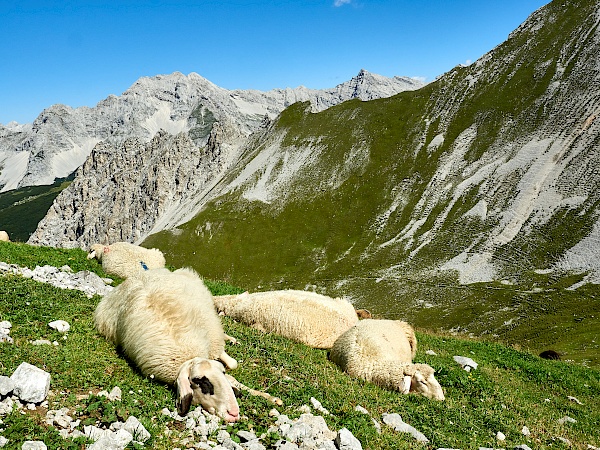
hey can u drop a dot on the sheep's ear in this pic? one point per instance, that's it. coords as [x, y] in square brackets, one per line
[184, 391]
[106, 249]
[407, 381]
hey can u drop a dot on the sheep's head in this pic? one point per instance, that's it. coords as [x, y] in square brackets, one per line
[96, 251]
[420, 379]
[202, 381]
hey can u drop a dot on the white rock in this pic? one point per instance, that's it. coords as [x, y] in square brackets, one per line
[525, 431]
[136, 429]
[41, 342]
[110, 441]
[500, 436]
[396, 422]
[573, 399]
[33, 445]
[430, 352]
[566, 419]
[31, 383]
[360, 409]
[318, 406]
[466, 363]
[6, 385]
[345, 440]
[60, 325]
[3, 441]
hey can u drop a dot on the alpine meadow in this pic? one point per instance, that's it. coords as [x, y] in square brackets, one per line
[468, 207]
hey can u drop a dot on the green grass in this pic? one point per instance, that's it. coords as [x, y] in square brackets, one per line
[22, 209]
[510, 389]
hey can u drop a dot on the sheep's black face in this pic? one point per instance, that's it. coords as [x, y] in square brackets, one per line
[204, 385]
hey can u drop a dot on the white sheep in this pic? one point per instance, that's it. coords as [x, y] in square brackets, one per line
[4, 236]
[165, 322]
[313, 319]
[124, 259]
[381, 351]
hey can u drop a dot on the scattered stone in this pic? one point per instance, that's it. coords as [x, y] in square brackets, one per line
[431, 352]
[395, 421]
[3, 441]
[87, 282]
[318, 406]
[60, 326]
[466, 363]
[6, 406]
[246, 436]
[110, 440]
[345, 440]
[573, 399]
[360, 409]
[33, 445]
[522, 447]
[273, 413]
[566, 419]
[133, 426]
[41, 342]
[6, 338]
[564, 441]
[5, 327]
[500, 436]
[114, 395]
[525, 431]
[31, 383]
[6, 385]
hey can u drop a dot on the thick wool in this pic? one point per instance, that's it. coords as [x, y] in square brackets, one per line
[4, 236]
[312, 319]
[381, 351]
[161, 319]
[166, 323]
[124, 259]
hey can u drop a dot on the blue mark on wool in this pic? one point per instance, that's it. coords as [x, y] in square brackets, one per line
[144, 266]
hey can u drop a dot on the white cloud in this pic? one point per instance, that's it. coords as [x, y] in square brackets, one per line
[338, 3]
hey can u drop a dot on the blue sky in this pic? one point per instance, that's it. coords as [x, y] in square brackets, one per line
[78, 52]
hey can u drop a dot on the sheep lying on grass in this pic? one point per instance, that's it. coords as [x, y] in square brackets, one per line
[381, 351]
[312, 319]
[166, 323]
[124, 259]
[4, 236]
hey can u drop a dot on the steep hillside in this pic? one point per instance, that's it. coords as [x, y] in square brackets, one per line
[470, 204]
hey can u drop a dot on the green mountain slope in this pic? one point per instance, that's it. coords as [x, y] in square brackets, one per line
[22, 209]
[464, 205]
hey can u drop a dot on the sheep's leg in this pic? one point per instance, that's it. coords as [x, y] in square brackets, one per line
[231, 339]
[237, 385]
[229, 362]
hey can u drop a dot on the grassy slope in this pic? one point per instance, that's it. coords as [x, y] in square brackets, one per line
[22, 209]
[327, 237]
[510, 389]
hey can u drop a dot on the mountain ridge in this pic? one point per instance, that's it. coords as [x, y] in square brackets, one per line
[60, 138]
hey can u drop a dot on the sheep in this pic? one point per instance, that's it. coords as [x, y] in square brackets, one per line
[165, 322]
[381, 352]
[124, 259]
[4, 236]
[307, 317]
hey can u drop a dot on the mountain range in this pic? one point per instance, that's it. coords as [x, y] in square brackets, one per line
[469, 204]
[61, 137]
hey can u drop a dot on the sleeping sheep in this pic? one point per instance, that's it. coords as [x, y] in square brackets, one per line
[4, 236]
[307, 317]
[124, 259]
[165, 322]
[381, 351]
